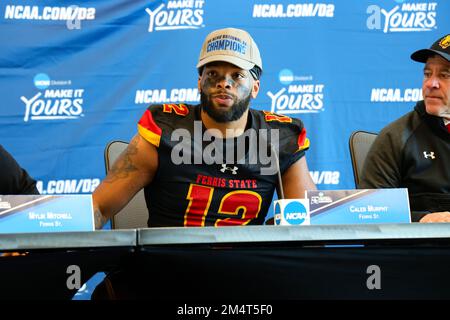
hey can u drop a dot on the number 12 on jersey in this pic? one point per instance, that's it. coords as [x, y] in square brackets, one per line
[200, 197]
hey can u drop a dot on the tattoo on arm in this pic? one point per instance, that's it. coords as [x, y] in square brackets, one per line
[124, 165]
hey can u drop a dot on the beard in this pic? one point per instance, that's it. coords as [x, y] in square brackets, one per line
[234, 113]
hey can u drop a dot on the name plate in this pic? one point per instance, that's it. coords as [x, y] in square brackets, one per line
[46, 213]
[359, 206]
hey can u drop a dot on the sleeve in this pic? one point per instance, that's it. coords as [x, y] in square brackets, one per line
[161, 119]
[148, 128]
[382, 167]
[14, 179]
[294, 144]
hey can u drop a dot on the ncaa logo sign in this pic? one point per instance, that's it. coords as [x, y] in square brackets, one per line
[295, 213]
[291, 212]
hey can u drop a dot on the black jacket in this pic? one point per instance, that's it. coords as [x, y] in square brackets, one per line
[14, 179]
[413, 152]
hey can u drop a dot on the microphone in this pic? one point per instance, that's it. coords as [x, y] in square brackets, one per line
[291, 211]
[274, 155]
[280, 190]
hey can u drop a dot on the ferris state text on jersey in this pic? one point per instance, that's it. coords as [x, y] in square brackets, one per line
[204, 189]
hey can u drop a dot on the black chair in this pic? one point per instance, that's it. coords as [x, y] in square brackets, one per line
[360, 143]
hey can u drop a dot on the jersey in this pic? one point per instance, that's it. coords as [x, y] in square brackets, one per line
[207, 181]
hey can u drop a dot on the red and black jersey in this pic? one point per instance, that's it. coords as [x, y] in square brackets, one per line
[207, 181]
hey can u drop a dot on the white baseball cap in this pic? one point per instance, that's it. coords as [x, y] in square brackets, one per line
[231, 45]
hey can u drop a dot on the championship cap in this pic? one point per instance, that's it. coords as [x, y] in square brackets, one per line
[231, 45]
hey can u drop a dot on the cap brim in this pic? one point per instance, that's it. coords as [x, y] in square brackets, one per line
[424, 54]
[241, 63]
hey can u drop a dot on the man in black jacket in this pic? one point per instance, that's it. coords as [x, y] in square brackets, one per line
[414, 151]
[14, 179]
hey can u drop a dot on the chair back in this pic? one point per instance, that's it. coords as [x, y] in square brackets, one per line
[360, 143]
[135, 214]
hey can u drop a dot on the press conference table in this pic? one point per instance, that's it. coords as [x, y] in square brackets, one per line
[312, 262]
[252, 262]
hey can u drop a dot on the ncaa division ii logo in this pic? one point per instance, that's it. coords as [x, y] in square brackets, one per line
[53, 104]
[299, 94]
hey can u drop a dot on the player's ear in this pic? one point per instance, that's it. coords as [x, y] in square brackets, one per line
[255, 88]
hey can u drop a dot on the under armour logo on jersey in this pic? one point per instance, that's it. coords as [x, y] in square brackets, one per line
[429, 155]
[225, 168]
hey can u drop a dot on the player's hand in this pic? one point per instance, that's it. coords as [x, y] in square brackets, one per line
[436, 217]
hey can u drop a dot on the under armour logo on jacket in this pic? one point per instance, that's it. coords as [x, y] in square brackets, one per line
[225, 168]
[429, 155]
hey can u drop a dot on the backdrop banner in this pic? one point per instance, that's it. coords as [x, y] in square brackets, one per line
[76, 75]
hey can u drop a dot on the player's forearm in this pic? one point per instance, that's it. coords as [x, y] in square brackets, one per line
[106, 204]
[102, 207]
[99, 218]
[101, 203]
